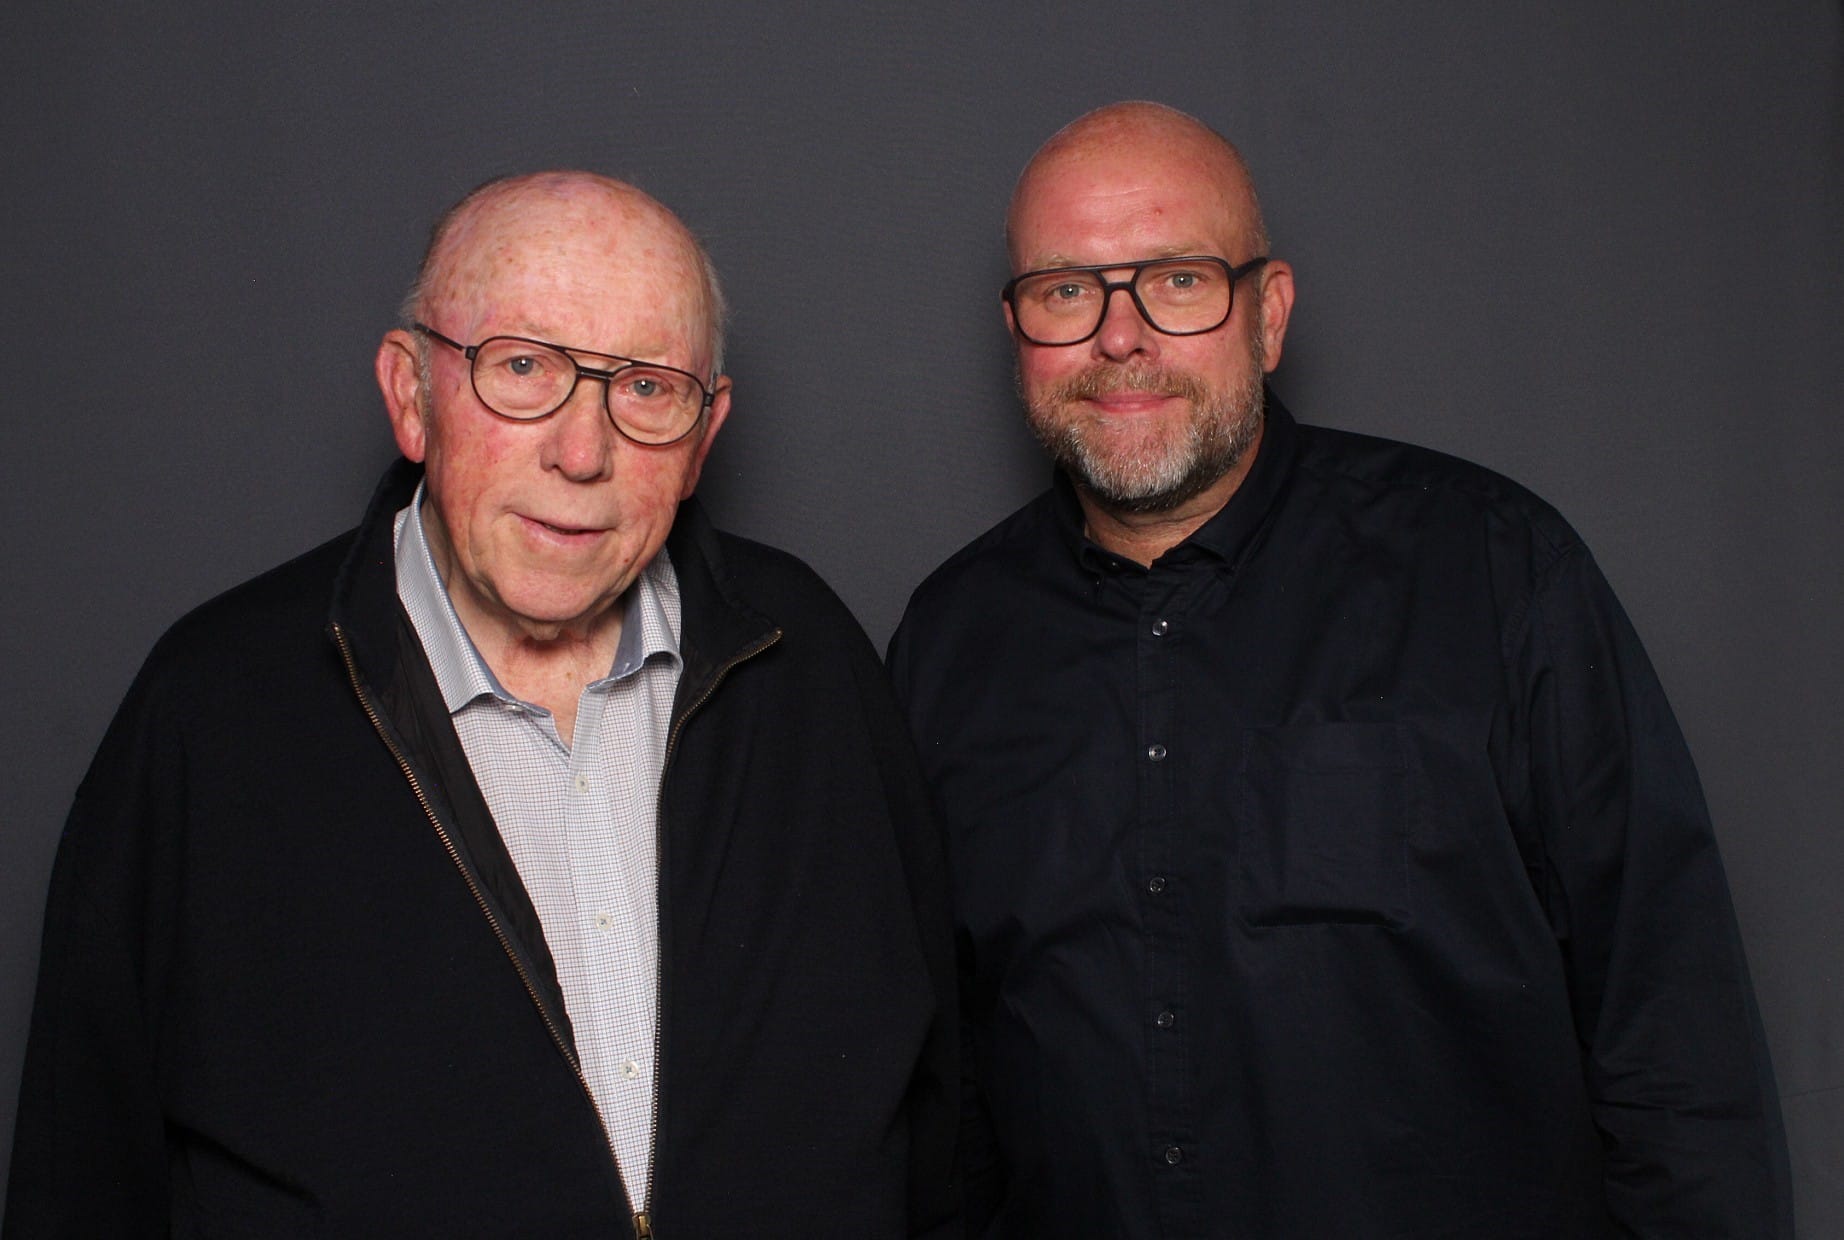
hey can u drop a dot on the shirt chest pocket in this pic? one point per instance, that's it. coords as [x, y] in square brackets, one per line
[1321, 825]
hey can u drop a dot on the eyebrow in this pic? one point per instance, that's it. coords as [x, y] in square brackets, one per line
[528, 332]
[1165, 251]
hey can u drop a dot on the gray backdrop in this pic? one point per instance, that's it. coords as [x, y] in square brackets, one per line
[1595, 246]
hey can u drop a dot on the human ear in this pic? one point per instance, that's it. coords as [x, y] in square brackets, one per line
[1276, 299]
[714, 419]
[399, 371]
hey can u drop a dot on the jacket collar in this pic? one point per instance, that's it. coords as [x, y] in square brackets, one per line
[719, 624]
[364, 606]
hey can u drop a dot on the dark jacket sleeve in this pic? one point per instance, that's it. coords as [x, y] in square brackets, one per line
[979, 1172]
[1673, 1054]
[934, 1101]
[89, 1153]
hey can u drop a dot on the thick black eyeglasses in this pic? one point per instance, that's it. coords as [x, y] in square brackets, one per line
[1185, 296]
[530, 379]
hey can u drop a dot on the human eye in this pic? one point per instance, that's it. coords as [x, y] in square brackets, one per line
[521, 378]
[1061, 292]
[524, 365]
[520, 362]
[642, 386]
[1181, 284]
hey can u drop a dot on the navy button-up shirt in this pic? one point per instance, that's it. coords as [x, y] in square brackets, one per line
[1344, 874]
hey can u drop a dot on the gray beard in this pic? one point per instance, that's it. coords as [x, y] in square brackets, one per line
[1162, 476]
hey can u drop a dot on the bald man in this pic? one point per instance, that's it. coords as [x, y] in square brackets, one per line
[534, 860]
[1327, 863]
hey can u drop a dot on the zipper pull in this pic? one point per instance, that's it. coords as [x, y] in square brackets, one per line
[643, 1226]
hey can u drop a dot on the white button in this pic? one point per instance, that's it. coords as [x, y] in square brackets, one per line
[630, 1071]
[582, 783]
[604, 921]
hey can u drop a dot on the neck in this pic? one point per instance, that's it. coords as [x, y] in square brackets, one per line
[1145, 536]
[552, 667]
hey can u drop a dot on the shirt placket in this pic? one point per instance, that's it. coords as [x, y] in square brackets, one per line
[613, 924]
[1163, 888]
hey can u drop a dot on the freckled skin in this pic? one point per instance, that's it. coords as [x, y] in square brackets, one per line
[538, 527]
[1124, 184]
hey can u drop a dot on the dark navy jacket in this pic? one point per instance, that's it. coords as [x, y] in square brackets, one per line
[292, 986]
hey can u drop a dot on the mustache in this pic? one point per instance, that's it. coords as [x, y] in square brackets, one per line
[1107, 379]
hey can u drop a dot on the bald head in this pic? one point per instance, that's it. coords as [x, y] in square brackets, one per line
[1155, 414]
[1140, 138]
[467, 241]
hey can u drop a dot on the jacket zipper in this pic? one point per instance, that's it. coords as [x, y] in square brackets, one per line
[454, 856]
[643, 1218]
[643, 1221]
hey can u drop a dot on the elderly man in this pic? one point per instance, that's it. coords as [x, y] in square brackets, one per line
[1327, 862]
[534, 860]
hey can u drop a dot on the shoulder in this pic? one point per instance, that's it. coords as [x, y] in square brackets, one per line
[1345, 468]
[820, 656]
[779, 584]
[251, 628]
[1014, 548]
[229, 669]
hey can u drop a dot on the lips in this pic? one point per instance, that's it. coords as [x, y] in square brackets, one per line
[561, 531]
[1131, 401]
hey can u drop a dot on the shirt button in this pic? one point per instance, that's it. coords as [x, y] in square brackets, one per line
[1165, 1020]
[1156, 752]
[604, 921]
[1160, 628]
[1173, 1155]
[1155, 884]
[582, 783]
[630, 1071]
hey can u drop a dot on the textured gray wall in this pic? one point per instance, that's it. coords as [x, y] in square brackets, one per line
[1597, 247]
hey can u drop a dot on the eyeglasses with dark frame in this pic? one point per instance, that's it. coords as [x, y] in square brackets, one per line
[525, 380]
[1184, 296]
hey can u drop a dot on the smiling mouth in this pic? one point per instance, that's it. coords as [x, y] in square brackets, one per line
[1130, 400]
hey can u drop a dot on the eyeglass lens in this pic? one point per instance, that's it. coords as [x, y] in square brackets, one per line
[523, 379]
[1181, 296]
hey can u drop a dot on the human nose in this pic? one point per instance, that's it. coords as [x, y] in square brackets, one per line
[580, 443]
[1124, 331]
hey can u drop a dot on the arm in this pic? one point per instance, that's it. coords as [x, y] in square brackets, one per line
[89, 1152]
[979, 1161]
[983, 1169]
[933, 1102]
[1675, 1063]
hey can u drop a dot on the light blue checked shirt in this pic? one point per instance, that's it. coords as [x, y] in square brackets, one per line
[581, 821]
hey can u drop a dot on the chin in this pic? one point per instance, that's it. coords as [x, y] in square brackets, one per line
[545, 614]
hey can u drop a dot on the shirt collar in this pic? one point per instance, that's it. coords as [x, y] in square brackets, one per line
[1230, 533]
[649, 622]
